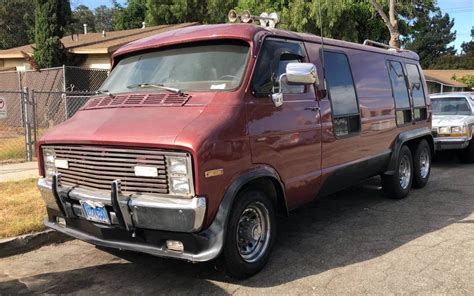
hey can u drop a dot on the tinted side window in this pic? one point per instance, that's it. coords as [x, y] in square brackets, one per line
[273, 58]
[399, 86]
[342, 93]
[340, 84]
[415, 85]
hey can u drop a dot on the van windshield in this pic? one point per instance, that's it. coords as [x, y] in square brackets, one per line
[451, 106]
[196, 67]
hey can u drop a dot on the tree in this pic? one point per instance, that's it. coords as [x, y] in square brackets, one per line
[52, 16]
[391, 21]
[430, 38]
[104, 18]
[16, 23]
[80, 16]
[131, 16]
[468, 48]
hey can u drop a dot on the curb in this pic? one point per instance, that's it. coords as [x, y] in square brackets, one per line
[29, 242]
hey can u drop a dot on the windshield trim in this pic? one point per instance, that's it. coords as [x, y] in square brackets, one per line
[242, 42]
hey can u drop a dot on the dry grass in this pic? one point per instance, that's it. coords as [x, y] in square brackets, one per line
[21, 208]
[13, 148]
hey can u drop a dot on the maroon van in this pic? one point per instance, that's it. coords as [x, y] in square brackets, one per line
[201, 136]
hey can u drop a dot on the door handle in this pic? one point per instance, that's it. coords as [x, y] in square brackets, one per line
[314, 109]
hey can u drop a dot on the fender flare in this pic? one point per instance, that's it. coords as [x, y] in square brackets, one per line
[215, 233]
[402, 139]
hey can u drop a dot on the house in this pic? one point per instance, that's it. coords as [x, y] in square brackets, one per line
[440, 81]
[96, 49]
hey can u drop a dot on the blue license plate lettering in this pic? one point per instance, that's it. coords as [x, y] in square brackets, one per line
[95, 212]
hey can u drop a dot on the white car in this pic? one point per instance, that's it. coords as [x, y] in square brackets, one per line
[453, 123]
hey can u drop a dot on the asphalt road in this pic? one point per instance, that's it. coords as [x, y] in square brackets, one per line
[353, 242]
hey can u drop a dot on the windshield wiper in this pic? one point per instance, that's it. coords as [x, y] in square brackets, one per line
[160, 86]
[103, 92]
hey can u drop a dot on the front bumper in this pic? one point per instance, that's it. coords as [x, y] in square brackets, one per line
[451, 143]
[138, 223]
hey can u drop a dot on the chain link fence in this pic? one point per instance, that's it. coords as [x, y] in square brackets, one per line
[32, 102]
[13, 134]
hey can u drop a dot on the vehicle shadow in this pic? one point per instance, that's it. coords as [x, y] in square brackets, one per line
[352, 226]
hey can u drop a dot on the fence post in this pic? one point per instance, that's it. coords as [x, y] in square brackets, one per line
[26, 119]
[35, 128]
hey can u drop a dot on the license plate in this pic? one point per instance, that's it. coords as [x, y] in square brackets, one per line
[95, 211]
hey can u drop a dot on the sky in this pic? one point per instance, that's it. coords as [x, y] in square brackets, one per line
[462, 11]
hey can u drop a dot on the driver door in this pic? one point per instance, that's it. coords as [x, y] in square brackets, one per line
[287, 138]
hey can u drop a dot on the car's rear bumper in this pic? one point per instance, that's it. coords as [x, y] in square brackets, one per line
[137, 223]
[451, 143]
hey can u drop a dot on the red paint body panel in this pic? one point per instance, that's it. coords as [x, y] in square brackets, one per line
[237, 131]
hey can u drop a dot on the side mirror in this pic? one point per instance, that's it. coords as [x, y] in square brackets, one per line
[296, 74]
[301, 74]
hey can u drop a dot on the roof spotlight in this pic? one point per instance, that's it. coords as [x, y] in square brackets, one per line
[274, 19]
[233, 16]
[246, 17]
[263, 19]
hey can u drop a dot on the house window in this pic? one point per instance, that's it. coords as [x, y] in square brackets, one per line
[342, 93]
[399, 92]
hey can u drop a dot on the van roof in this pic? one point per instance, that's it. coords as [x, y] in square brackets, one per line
[246, 32]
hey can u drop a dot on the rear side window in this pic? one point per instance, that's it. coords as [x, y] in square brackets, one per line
[342, 93]
[400, 92]
[273, 58]
[417, 92]
[415, 85]
[399, 85]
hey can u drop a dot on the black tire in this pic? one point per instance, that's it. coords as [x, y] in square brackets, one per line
[233, 261]
[467, 155]
[391, 183]
[422, 164]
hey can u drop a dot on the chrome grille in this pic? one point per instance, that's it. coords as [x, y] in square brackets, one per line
[95, 167]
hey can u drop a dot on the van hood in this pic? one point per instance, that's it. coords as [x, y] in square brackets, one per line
[449, 120]
[141, 126]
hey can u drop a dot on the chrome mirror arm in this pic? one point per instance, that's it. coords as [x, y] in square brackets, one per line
[277, 98]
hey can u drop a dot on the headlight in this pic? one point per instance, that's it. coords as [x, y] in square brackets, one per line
[179, 175]
[180, 185]
[177, 165]
[457, 129]
[445, 130]
[49, 158]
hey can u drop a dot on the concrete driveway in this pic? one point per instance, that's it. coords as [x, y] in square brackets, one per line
[353, 242]
[18, 171]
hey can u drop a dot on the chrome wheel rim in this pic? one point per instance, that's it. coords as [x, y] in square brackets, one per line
[404, 172]
[253, 232]
[425, 163]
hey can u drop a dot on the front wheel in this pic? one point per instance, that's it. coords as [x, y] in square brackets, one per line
[422, 164]
[398, 185]
[250, 234]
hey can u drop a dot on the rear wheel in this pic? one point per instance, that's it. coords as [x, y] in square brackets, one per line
[467, 155]
[422, 164]
[250, 234]
[398, 185]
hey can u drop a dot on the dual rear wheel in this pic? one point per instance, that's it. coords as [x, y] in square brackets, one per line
[412, 170]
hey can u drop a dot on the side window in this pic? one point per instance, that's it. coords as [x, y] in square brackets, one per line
[342, 93]
[273, 58]
[417, 92]
[400, 92]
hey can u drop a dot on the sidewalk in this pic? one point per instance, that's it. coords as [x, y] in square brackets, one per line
[18, 171]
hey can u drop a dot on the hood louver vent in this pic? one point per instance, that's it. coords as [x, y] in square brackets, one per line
[136, 100]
